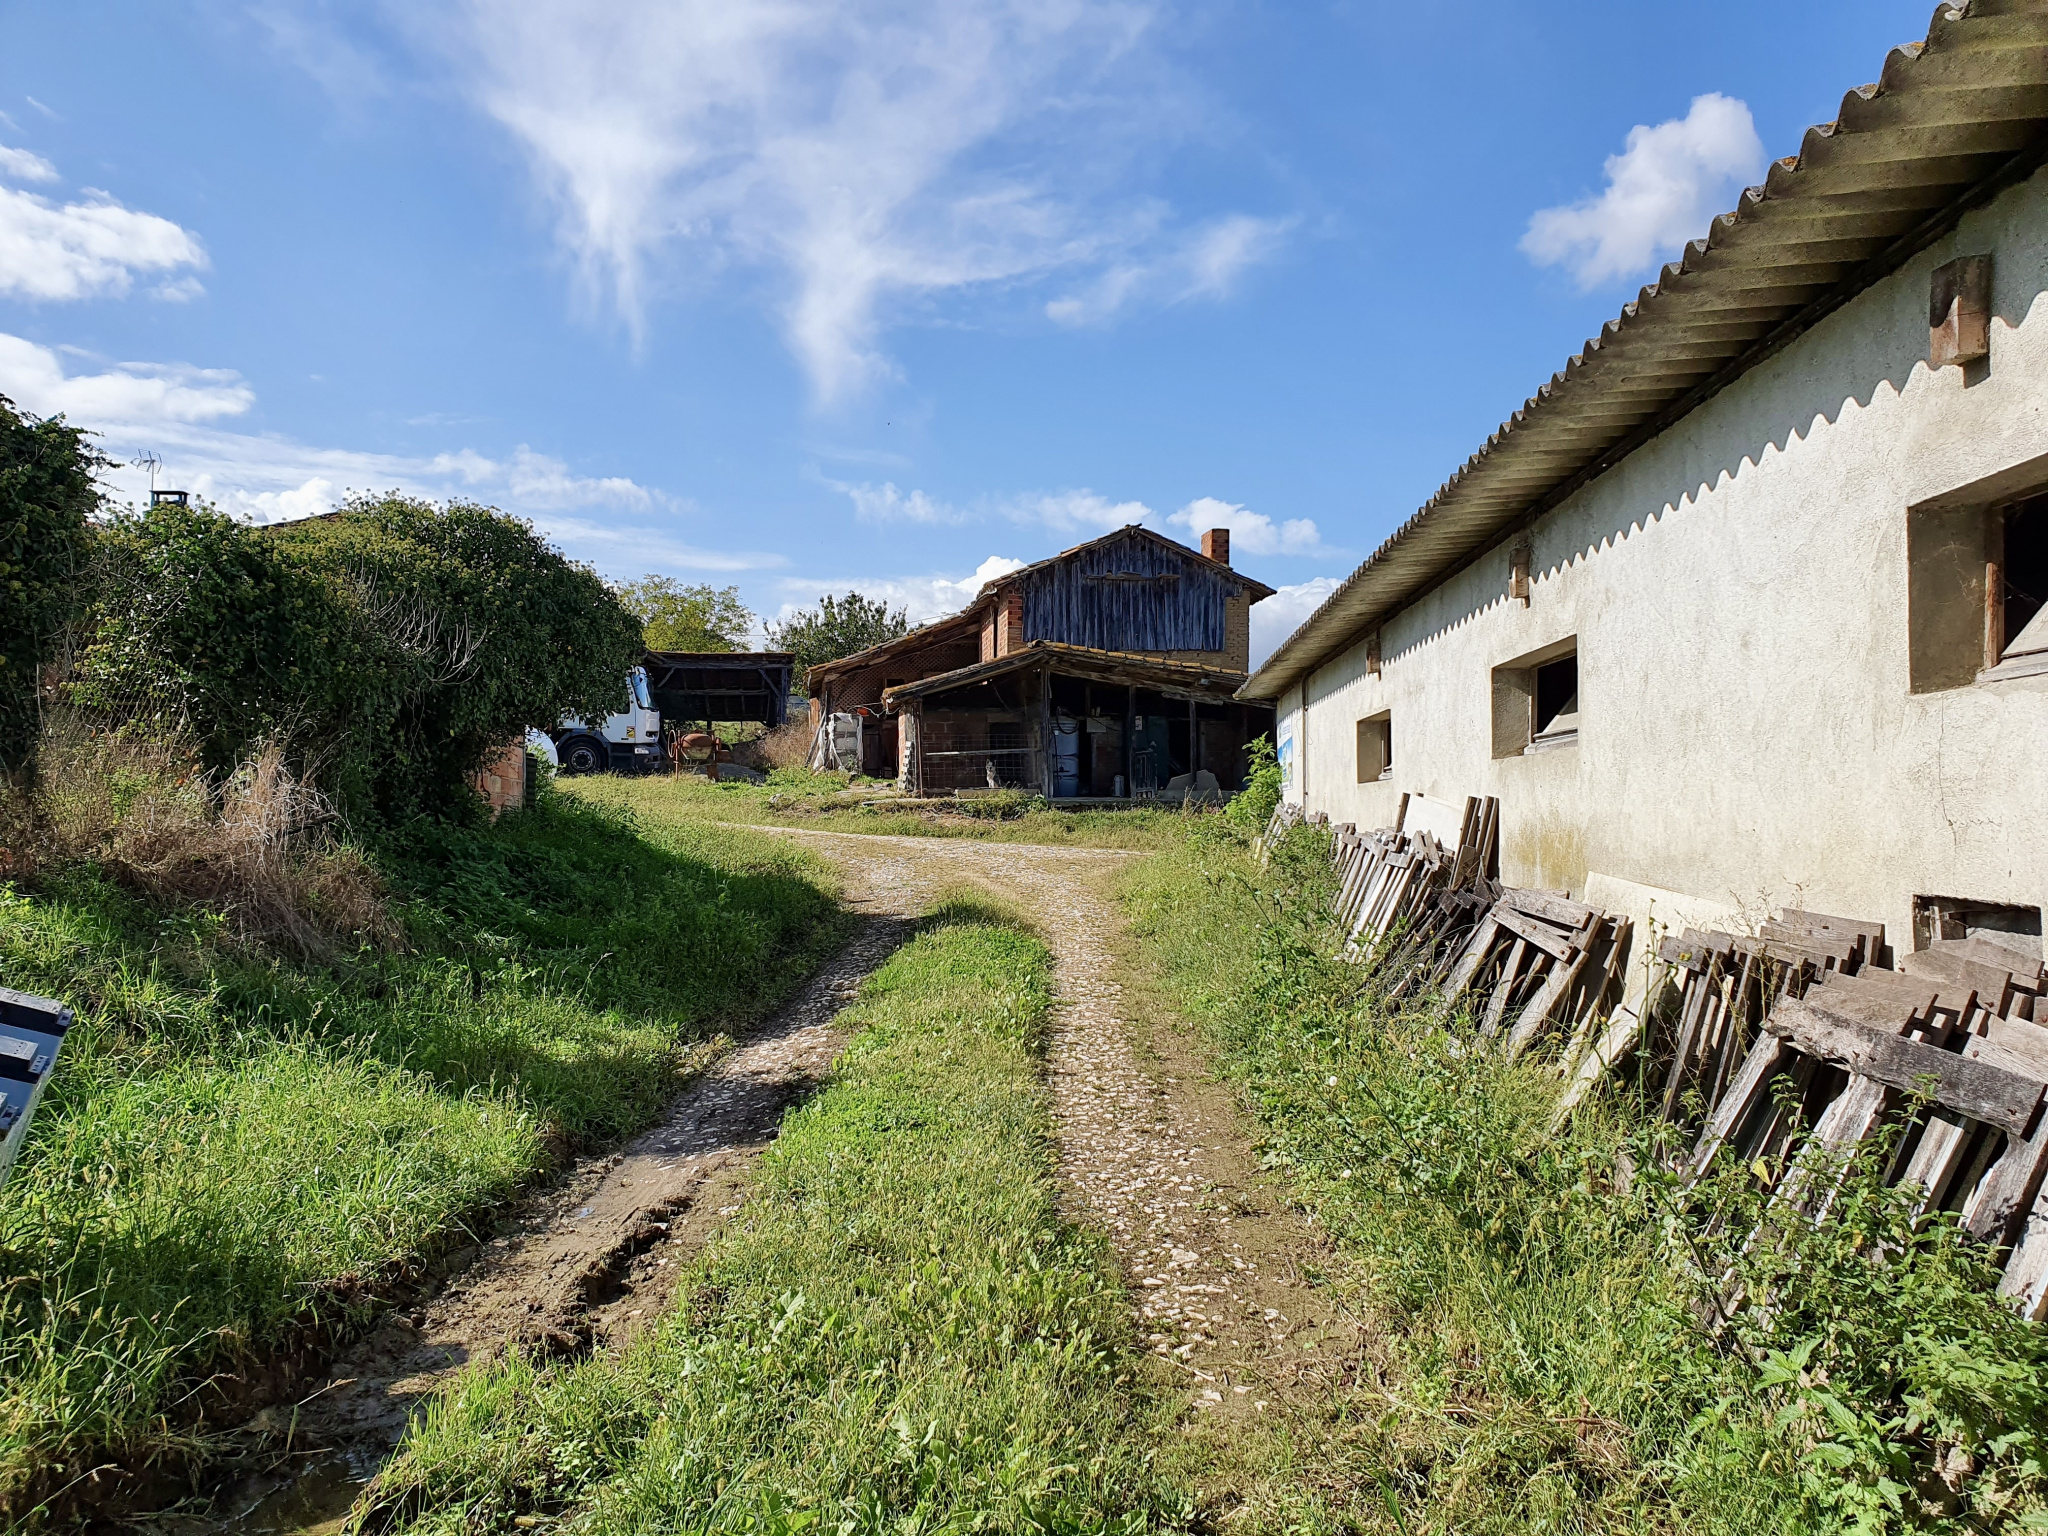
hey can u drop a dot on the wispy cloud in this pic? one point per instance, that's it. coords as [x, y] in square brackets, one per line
[869, 158]
[1205, 265]
[1662, 190]
[924, 598]
[1085, 513]
[88, 249]
[176, 412]
[25, 165]
[885, 504]
[1251, 533]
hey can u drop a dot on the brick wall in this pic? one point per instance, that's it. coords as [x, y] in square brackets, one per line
[502, 779]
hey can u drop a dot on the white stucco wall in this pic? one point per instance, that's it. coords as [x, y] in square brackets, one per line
[1738, 592]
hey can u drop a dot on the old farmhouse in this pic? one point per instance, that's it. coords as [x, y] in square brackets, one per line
[1743, 608]
[1106, 672]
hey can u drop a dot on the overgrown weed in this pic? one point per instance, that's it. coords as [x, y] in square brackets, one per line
[1539, 1357]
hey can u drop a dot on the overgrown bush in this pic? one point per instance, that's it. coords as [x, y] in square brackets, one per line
[252, 846]
[389, 647]
[1252, 807]
[46, 496]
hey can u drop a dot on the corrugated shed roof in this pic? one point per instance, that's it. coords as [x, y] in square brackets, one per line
[1079, 660]
[1951, 122]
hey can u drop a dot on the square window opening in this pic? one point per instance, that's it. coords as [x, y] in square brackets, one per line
[1536, 701]
[1557, 698]
[2009, 927]
[1376, 748]
[2024, 574]
[1977, 581]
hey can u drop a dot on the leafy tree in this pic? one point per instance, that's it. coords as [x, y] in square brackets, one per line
[681, 618]
[493, 628]
[394, 645]
[838, 626]
[46, 496]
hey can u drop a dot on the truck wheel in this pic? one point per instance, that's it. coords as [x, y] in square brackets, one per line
[580, 754]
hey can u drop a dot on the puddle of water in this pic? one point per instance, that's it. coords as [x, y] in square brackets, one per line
[310, 1497]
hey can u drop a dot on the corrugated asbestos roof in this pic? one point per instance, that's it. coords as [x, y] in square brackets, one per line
[1950, 123]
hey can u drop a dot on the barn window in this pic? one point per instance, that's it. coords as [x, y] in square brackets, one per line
[1376, 748]
[1536, 701]
[1977, 582]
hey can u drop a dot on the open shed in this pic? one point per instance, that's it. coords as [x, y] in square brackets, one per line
[703, 686]
[1072, 723]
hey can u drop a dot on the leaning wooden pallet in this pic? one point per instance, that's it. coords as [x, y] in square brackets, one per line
[1858, 1051]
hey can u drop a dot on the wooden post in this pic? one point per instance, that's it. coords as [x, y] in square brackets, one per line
[1194, 745]
[1130, 752]
[1994, 590]
[1045, 747]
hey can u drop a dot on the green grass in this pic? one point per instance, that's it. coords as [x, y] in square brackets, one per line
[824, 802]
[1535, 1362]
[898, 1334]
[237, 1145]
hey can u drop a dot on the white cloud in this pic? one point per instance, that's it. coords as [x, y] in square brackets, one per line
[885, 504]
[172, 411]
[924, 598]
[1662, 190]
[86, 249]
[127, 394]
[25, 165]
[1284, 612]
[1206, 265]
[870, 156]
[1251, 533]
[1082, 511]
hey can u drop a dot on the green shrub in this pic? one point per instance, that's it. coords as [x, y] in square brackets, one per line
[46, 494]
[394, 645]
[1252, 807]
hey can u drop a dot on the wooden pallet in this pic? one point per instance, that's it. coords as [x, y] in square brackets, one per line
[1859, 1045]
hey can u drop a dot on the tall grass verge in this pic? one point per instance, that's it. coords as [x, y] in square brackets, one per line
[1538, 1359]
[822, 802]
[899, 1333]
[243, 1142]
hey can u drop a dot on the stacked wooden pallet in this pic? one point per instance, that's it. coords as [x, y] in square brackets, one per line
[1538, 958]
[1858, 1045]
[1728, 982]
[1390, 881]
[1285, 818]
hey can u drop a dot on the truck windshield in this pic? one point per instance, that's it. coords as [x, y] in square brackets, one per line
[640, 689]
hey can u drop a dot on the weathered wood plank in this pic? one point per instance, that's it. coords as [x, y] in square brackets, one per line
[1975, 1089]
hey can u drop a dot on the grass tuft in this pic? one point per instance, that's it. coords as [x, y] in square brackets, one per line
[1537, 1359]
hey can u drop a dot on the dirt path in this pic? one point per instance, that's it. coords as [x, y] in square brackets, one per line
[1152, 1152]
[582, 1264]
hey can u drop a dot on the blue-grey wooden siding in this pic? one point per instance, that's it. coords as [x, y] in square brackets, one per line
[1129, 595]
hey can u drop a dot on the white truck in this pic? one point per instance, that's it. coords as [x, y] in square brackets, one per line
[626, 742]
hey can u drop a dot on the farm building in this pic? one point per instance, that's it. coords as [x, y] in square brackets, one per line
[1743, 608]
[1105, 672]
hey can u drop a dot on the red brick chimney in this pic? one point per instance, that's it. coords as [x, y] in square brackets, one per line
[1216, 545]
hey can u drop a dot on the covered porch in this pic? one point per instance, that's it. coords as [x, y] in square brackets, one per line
[1077, 726]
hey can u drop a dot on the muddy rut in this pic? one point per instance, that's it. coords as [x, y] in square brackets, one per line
[1151, 1151]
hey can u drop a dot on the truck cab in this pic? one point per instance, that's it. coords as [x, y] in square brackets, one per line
[626, 742]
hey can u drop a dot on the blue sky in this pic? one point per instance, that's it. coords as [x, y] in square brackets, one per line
[805, 296]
